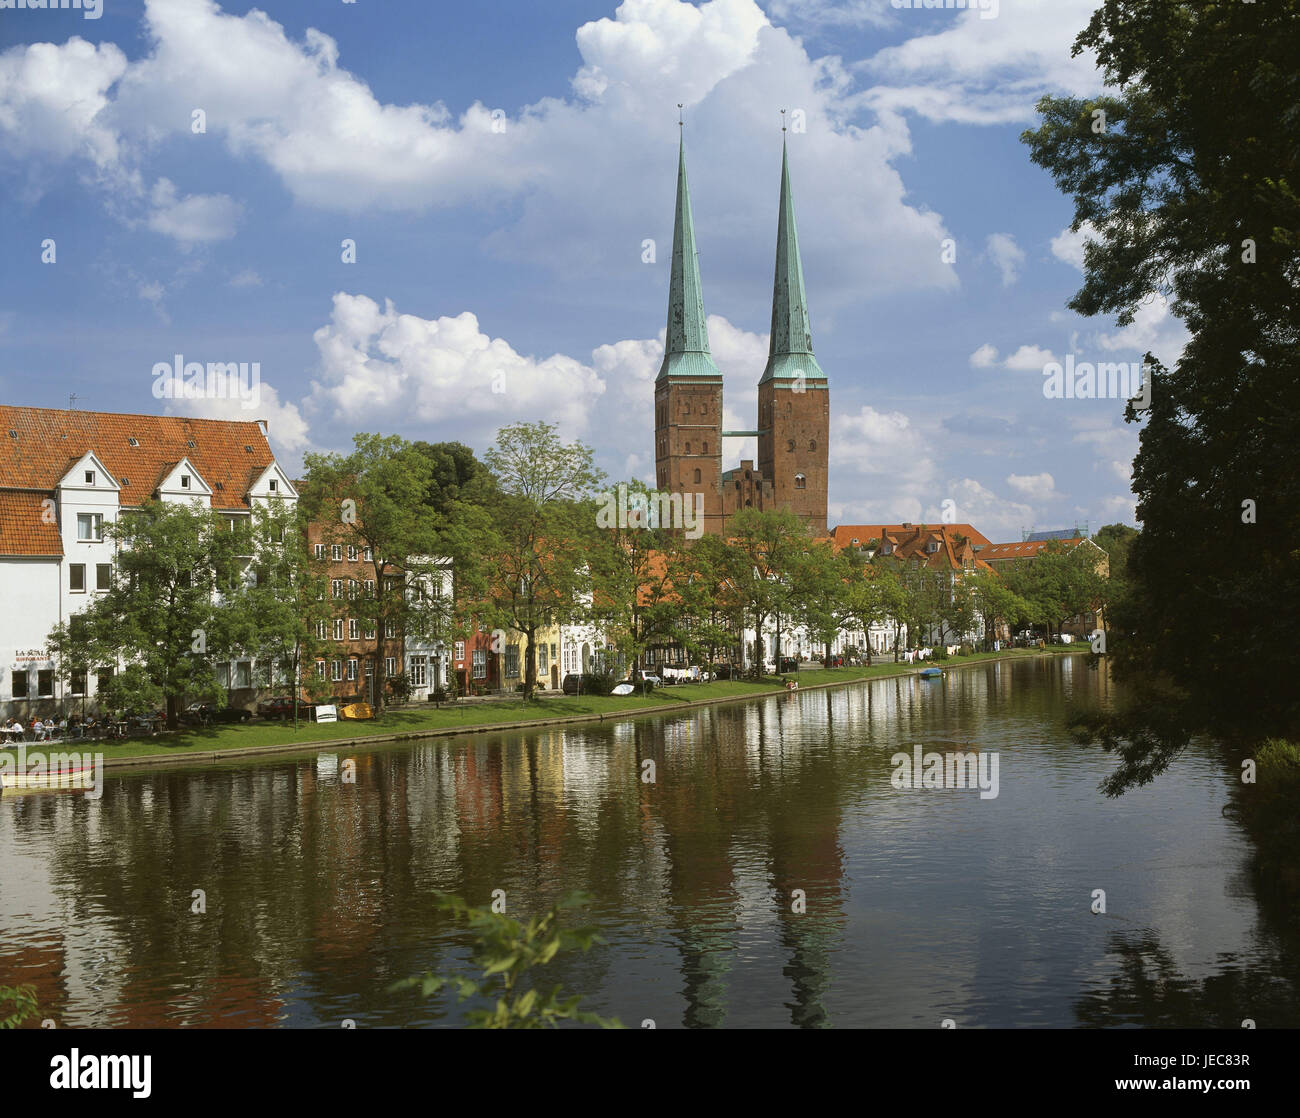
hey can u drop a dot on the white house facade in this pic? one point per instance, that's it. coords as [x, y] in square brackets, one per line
[65, 476]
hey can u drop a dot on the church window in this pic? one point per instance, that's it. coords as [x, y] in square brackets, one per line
[800, 482]
[706, 449]
[812, 445]
[789, 444]
[697, 477]
[688, 448]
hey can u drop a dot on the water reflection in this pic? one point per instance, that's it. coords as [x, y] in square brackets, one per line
[770, 875]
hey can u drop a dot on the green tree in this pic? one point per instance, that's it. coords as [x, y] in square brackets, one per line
[374, 499]
[542, 520]
[765, 546]
[820, 581]
[275, 614]
[163, 618]
[1190, 189]
[708, 613]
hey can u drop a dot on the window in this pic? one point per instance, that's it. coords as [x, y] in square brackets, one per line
[18, 684]
[77, 682]
[541, 658]
[338, 628]
[90, 477]
[90, 526]
[352, 553]
[789, 445]
[480, 663]
[243, 674]
[512, 660]
[336, 670]
[812, 445]
[688, 448]
[370, 634]
[369, 555]
[336, 588]
[705, 449]
[103, 678]
[436, 589]
[697, 477]
[417, 669]
[185, 481]
[336, 552]
[353, 588]
[390, 666]
[272, 485]
[77, 578]
[103, 576]
[321, 630]
[320, 669]
[320, 551]
[370, 588]
[44, 682]
[354, 629]
[800, 482]
[352, 670]
[459, 651]
[553, 656]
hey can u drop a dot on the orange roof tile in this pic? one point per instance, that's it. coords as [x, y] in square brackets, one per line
[24, 529]
[39, 445]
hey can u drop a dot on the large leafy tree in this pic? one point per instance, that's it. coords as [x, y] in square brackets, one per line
[765, 546]
[274, 613]
[164, 619]
[820, 581]
[375, 498]
[631, 584]
[1191, 190]
[543, 520]
[709, 614]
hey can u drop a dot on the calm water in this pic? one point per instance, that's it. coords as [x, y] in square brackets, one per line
[921, 905]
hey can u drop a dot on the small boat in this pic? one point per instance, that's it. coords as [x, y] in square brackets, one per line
[623, 689]
[357, 712]
[931, 673]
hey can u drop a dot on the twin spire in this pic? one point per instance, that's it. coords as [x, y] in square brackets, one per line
[686, 351]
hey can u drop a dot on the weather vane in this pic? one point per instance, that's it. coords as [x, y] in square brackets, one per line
[680, 122]
[782, 120]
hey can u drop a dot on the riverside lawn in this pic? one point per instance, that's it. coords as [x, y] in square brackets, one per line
[410, 722]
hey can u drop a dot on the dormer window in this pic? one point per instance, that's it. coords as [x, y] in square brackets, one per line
[132, 442]
[90, 477]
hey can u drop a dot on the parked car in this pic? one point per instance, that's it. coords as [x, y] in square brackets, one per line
[280, 707]
[201, 714]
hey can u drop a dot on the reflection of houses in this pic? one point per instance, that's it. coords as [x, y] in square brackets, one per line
[64, 475]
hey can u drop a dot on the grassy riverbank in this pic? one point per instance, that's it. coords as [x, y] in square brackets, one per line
[411, 722]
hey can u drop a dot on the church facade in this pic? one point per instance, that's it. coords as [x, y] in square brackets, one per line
[793, 421]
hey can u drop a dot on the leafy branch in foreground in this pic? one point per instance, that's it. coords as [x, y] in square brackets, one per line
[507, 950]
[23, 999]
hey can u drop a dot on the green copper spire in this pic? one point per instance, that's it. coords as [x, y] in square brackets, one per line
[790, 350]
[686, 349]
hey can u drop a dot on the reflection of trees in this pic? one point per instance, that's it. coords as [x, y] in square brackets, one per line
[1149, 991]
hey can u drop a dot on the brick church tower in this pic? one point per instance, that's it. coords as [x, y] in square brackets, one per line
[688, 389]
[793, 395]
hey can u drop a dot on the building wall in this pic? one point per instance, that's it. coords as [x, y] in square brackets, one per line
[688, 443]
[793, 444]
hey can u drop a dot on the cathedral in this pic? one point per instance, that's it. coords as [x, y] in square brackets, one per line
[793, 397]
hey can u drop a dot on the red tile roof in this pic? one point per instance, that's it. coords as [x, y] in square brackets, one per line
[24, 529]
[39, 445]
[911, 541]
[1001, 552]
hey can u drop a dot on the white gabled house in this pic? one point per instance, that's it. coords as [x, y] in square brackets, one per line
[64, 476]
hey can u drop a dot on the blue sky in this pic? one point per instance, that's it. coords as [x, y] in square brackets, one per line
[499, 166]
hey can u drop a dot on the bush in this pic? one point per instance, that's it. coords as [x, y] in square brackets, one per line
[598, 683]
[940, 652]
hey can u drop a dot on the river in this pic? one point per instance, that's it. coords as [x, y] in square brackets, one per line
[771, 874]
